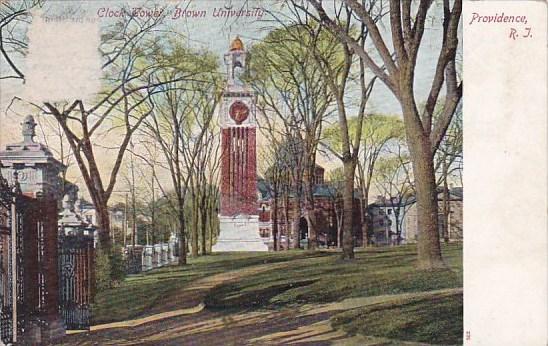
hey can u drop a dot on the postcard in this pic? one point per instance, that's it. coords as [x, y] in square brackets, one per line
[235, 172]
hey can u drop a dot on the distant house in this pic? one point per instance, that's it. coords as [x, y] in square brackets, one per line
[87, 210]
[89, 213]
[387, 220]
[454, 229]
[394, 221]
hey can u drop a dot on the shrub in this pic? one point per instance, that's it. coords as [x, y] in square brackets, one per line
[103, 274]
[110, 269]
[118, 265]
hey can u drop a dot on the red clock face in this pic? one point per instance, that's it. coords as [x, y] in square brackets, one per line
[239, 112]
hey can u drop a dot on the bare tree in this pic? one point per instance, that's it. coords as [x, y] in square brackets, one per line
[339, 79]
[132, 62]
[293, 91]
[392, 178]
[14, 18]
[424, 135]
[54, 138]
[448, 163]
[181, 125]
[203, 181]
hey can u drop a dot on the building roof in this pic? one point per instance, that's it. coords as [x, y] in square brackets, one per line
[319, 190]
[455, 194]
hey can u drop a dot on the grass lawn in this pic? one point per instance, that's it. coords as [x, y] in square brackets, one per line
[137, 294]
[375, 271]
[308, 278]
[435, 320]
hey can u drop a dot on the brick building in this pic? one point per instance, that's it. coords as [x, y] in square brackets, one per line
[455, 225]
[391, 216]
[327, 206]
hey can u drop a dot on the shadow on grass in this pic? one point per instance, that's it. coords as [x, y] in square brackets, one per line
[328, 279]
[140, 293]
[437, 320]
[308, 277]
[248, 299]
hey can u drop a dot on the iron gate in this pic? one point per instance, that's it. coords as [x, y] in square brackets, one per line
[76, 276]
[12, 309]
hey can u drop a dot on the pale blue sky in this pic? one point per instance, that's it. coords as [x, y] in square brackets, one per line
[215, 33]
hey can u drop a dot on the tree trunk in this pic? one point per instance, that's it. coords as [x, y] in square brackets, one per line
[398, 228]
[339, 233]
[310, 215]
[203, 221]
[446, 207]
[422, 159]
[182, 234]
[348, 208]
[195, 242]
[211, 219]
[295, 230]
[428, 247]
[153, 214]
[365, 219]
[204, 230]
[295, 224]
[103, 221]
[274, 215]
[338, 218]
[286, 216]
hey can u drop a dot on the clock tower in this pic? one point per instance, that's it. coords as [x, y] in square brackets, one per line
[239, 220]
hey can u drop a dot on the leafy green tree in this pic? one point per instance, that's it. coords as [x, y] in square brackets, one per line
[295, 100]
[131, 75]
[392, 178]
[396, 69]
[448, 165]
[182, 126]
[379, 132]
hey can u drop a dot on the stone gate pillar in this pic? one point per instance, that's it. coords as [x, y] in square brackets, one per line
[38, 175]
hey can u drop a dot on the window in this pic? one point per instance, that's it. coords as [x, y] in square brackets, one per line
[389, 211]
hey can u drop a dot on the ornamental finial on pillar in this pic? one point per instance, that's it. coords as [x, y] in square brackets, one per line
[28, 131]
[237, 44]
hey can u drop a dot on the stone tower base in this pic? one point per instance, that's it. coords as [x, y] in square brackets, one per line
[239, 233]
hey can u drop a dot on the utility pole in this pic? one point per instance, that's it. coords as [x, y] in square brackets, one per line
[133, 211]
[153, 226]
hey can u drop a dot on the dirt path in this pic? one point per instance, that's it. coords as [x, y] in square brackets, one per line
[186, 322]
